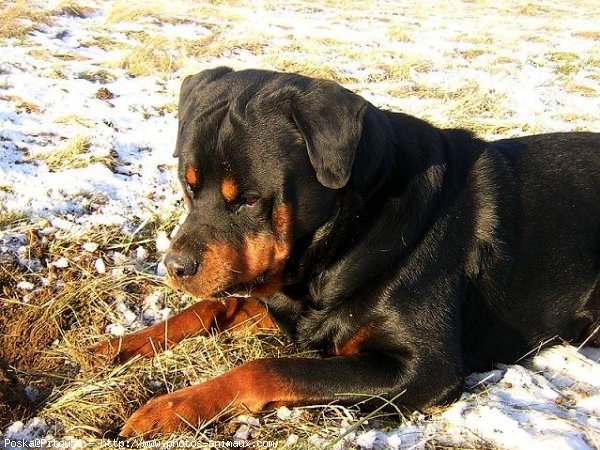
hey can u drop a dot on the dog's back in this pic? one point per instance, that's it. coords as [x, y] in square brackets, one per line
[542, 284]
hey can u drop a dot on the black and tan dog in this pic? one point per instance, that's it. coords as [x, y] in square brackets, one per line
[409, 255]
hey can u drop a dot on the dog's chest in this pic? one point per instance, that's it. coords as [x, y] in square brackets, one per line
[324, 329]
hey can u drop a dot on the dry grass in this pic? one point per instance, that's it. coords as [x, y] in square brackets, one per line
[72, 306]
[398, 33]
[19, 18]
[397, 68]
[537, 39]
[45, 55]
[168, 109]
[74, 119]
[311, 66]
[503, 61]
[10, 219]
[217, 44]
[212, 14]
[581, 89]
[472, 100]
[566, 63]
[29, 328]
[64, 318]
[23, 106]
[105, 42]
[478, 109]
[75, 8]
[592, 35]
[149, 58]
[94, 396]
[476, 39]
[576, 117]
[56, 71]
[592, 61]
[157, 55]
[76, 154]
[6, 187]
[100, 76]
[115, 392]
[533, 9]
[473, 53]
[418, 90]
[133, 11]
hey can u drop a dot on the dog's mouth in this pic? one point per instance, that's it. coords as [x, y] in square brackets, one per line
[243, 290]
[263, 285]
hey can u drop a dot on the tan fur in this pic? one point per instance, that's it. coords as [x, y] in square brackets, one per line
[192, 176]
[229, 189]
[224, 265]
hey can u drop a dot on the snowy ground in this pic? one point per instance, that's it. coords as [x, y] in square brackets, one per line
[503, 69]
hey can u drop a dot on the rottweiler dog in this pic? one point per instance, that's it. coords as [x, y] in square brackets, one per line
[409, 255]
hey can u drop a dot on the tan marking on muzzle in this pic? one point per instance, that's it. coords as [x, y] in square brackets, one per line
[215, 271]
[224, 265]
[267, 253]
[282, 221]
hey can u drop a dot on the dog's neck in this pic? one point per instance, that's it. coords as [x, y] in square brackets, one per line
[394, 150]
[385, 210]
[318, 250]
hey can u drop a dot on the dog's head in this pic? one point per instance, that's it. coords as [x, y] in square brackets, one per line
[262, 158]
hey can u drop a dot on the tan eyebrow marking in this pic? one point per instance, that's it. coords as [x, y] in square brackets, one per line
[192, 176]
[229, 189]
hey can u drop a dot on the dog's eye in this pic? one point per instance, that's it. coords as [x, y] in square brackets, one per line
[247, 202]
[251, 201]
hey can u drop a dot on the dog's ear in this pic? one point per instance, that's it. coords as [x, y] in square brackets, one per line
[330, 119]
[186, 97]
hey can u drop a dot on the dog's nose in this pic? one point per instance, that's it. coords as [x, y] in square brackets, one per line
[180, 265]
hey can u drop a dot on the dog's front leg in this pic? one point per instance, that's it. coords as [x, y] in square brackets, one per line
[268, 383]
[201, 318]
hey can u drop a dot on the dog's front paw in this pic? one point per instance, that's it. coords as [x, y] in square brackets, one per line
[188, 407]
[121, 349]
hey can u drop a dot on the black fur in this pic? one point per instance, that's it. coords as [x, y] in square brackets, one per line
[462, 253]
